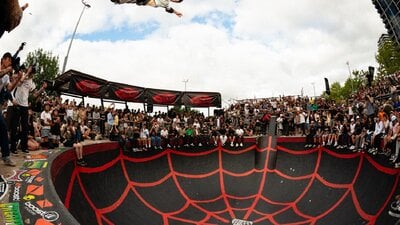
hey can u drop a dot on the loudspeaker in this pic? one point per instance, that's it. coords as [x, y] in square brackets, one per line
[327, 88]
[370, 76]
[149, 107]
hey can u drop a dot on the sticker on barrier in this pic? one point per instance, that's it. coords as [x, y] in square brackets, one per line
[16, 177]
[3, 187]
[36, 157]
[40, 164]
[11, 213]
[241, 222]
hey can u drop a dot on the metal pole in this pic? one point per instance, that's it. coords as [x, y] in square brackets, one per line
[185, 81]
[313, 84]
[348, 66]
[85, 5]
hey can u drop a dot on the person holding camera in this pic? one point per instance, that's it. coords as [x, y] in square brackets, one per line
[19, 115]
[5, 87]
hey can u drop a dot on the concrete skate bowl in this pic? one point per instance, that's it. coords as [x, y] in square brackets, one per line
[260, 183]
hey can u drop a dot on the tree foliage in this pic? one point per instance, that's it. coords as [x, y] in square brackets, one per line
[351, 85]
[335, 91]
[388, 58]
[47, 65]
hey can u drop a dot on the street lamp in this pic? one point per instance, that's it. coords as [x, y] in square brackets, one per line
[351, 81]
[85, 5]
[185, 81]
[313, 84]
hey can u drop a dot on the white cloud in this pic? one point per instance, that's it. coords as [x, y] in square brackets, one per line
[273, 48]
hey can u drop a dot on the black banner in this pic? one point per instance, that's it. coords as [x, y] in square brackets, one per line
[126, 93]
[85, 87]
[163, 97]
[201, 99]
[81, 84]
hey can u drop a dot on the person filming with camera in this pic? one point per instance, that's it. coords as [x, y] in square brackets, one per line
[19, 114]
[5, 87]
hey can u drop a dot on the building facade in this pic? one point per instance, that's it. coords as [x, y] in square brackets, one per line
[389, 11]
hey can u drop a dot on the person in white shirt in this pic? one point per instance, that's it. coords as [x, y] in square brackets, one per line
[96, 115]
[239, 136]
[176, 121]
[19, 113]
[144, 140]
[45, 118]
[110, 122]
[196, 124]
[378, 132]
[69, 112]
[302, 122]
[164, 137]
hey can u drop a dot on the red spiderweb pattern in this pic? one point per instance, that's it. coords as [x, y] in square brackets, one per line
[251, 212]
[350, 191]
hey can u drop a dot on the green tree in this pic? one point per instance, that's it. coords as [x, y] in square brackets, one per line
[359, 79]
[47, 65]
[351, 85]
[335, 91]
[388, 58]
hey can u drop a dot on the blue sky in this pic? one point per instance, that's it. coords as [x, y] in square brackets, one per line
[139, 32]
[142, 30]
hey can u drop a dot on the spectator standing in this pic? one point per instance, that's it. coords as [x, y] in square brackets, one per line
[5, 87]
[19, 115]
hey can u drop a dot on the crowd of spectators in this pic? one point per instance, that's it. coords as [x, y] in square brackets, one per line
[366, 122]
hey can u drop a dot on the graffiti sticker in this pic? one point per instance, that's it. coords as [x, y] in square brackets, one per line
[3, 187]
[11, 213]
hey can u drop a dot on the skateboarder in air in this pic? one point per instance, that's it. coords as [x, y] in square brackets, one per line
[153, 3]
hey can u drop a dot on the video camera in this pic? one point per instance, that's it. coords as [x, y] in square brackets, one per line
[16, 61]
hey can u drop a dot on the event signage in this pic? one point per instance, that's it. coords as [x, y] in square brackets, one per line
[16, 193]
[49, 216]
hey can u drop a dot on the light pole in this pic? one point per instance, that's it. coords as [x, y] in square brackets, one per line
[185, 81]
[313, 84]
[351, 81]
[85, 5]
